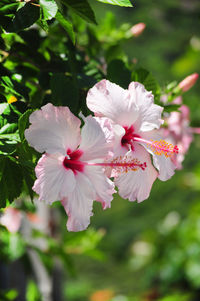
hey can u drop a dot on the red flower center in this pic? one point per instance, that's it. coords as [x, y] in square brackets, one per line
[129, 136]
[72, 161]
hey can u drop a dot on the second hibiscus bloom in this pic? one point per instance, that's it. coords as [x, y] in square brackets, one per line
[134, 119]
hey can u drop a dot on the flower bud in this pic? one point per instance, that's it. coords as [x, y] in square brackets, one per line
[188, 82]
[138, 29]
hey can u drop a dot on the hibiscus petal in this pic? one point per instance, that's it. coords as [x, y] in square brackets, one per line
[110, 100]
[78, 205]
[107, 127]
[53, 130]
[164, 165]
[149, 115]
[54, 181]
[137, 184]
[103, 186]
[93, 141]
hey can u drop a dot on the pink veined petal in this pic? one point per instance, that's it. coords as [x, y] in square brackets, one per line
[103, 186]
[107, 127]
[136, 185]
[93, 141]
[164, 165]
[78, 204]
[54, 181]
[110, 100]
[149, 115]
[53, 130]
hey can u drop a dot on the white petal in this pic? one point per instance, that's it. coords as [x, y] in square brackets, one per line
[118, 148]
[103, 186]
[107, 127]
[93, 141]
[110, 100]
[149, 115]
[164, 165]
[53, 130]
[54, 181]
[78, 205]
[137, 184]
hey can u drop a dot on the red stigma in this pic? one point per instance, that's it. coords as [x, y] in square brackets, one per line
[175, 149]
[72, 162]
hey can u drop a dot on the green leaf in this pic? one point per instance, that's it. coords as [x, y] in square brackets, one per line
[171, 108]
[11, 179]
[8, 128]
[11, 295]
[64, 91]
[26, 157]
[81, 8]
[49, 9]
[32, 292]
[118, 73]
[4, 2]
[7, 147]
[146, 78]
[3, 107]
[12, 247]
[8, 85]
[43, 24]
[24, 18]
[125, 3]
[9, 8]
[23, 123]
[29, 178]
[66, 25]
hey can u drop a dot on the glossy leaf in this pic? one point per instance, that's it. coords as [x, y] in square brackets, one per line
[24, 18]
[49, 9]
[66, 25]
[122, 77]
[8, 85]
[125, 3]
[23, 123]
[64, 92]
[11, 179]
[147, 79]
[81, 8]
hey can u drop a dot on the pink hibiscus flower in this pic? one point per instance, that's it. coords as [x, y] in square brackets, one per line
[178, 131]
[69, 171]
[11, 219]
[134, 119]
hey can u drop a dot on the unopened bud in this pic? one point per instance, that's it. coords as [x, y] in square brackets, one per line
[188, 82]
[138, 29]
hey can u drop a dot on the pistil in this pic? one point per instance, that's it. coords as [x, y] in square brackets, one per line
[120, 164]
[160, 147]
